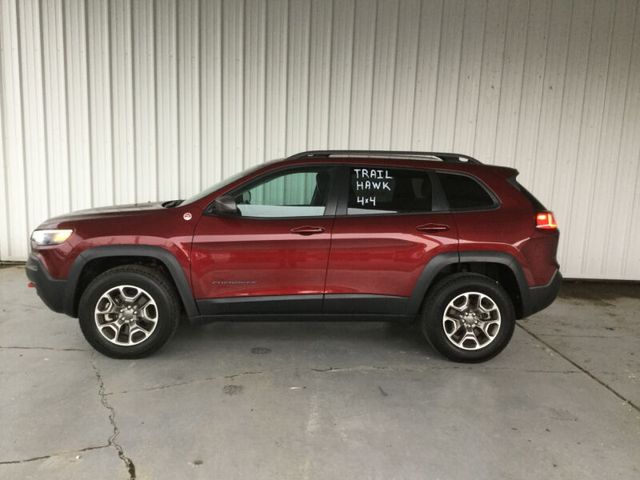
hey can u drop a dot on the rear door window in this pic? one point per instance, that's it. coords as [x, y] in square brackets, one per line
[464, 192]
[376, 191]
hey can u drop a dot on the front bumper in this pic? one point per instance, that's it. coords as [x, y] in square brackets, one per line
[52, 291]
[539, 298]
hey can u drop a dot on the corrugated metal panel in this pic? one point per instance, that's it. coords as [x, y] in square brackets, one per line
[99, 87]
[120, 101]
[78, 107]
[16, 229]
[144, 96]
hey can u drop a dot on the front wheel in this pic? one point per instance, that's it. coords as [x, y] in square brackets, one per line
[129, 312]
[468, 318]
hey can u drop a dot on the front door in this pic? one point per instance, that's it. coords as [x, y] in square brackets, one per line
[272, 257]
[390, 227]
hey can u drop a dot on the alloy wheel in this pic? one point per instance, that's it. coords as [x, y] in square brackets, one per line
[126, 315]
[471, 320]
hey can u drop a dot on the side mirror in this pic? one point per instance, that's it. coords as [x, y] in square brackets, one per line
[225, 205]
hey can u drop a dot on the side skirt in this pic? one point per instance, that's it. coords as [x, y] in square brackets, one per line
[332, 307]
[301, 317]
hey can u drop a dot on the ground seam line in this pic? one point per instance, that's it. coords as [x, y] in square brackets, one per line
[582, 369]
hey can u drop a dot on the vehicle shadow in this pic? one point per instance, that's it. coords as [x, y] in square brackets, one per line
[361, 335]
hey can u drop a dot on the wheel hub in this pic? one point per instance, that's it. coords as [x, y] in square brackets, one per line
[471, 320]
[126, 315]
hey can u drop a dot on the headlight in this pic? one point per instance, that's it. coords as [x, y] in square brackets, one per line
[50, 237]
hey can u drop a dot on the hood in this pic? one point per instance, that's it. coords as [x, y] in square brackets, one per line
[130, 208]
[133, 208]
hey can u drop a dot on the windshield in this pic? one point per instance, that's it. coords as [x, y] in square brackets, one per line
[221, 184]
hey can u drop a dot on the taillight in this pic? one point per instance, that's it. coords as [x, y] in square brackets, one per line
[546, 221]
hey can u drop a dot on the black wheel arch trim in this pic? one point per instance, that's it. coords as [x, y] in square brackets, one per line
[157, 253]
[425, 280]
[513, 265]
[533, 299]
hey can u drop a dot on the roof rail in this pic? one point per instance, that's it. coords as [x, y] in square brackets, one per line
[444, 157]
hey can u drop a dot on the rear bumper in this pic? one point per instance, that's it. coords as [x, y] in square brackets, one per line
[52, 291]
[539, 298]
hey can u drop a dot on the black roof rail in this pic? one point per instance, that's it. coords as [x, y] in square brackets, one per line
[445, 157]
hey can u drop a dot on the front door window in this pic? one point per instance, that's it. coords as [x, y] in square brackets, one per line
[299, 193]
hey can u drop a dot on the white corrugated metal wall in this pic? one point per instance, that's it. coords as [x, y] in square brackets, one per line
[123, 101]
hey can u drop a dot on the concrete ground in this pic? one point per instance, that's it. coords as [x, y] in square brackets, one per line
[322, 401]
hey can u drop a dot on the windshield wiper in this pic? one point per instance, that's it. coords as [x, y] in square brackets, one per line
[172, 203]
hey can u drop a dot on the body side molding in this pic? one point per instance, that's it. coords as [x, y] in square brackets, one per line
[261, 305]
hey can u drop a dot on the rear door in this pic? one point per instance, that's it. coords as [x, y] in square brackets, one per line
[272, 256]
[390, 223]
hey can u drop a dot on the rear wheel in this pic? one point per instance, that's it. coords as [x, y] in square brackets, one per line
[129, 312]
[468, 317]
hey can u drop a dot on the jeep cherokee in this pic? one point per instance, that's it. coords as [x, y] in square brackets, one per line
[440, 238]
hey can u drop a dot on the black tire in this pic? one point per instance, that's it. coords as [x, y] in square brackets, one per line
[152, 282]
[446, 291]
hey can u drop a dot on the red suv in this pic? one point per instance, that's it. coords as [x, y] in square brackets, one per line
[339, 235]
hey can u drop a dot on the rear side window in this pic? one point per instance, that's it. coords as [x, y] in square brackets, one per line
[465, 193]
[529, 196]
[386, 190]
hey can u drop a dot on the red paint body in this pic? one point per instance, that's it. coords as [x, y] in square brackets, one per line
[235, 256]
[369, 256]
[243, 257]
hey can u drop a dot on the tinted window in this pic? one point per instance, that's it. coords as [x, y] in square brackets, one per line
[464, 192]
[295, 193]
[534, 201]
[386, 190]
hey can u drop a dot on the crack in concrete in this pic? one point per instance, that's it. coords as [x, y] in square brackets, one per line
[582, 369]
[112, 419]
[186, 382]
[57, 454]
[566, 335]
[359, 368]
[368, 368]
[44, 348]
[231, 377]
[162, 387]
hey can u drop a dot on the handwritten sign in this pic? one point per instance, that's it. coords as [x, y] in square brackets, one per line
[370, 183]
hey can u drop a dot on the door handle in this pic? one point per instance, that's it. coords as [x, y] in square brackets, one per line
[307, 230]
[432, 228]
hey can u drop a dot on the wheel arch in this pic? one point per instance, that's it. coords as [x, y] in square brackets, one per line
[116, 255]
[499, 266]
